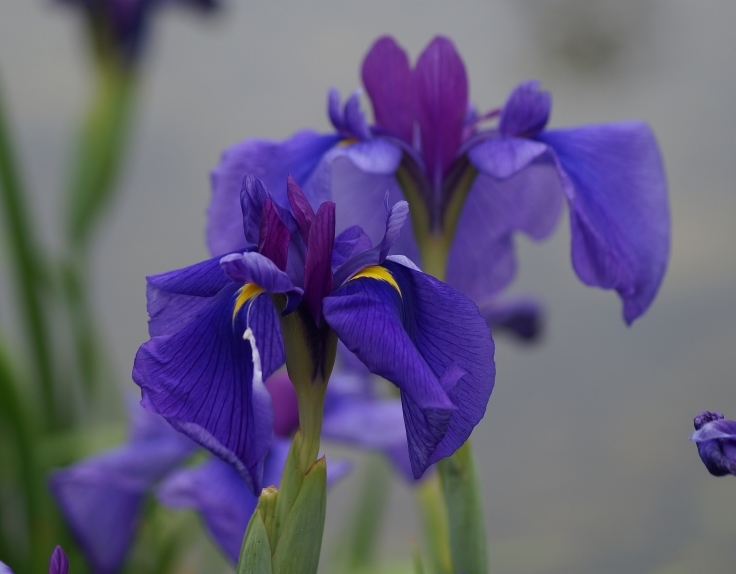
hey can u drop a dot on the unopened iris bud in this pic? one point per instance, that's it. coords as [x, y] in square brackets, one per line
[715, 437]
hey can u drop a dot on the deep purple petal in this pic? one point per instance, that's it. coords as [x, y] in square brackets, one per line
[175, 297]
[431, 342]
[300, 207]
[59, 563]
[717, 429]
[441, 89]
[614, 180]
[201, 380]
[718, 456]
[526, 111]
[272, 162]
[395, 219]
[101, 497]
[503, 157]
[482, 259]
[521, 318]
[318, 267]
[388, 80]
[274, 236]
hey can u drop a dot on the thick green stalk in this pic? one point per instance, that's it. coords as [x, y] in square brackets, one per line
[435, 525]
[28, 266]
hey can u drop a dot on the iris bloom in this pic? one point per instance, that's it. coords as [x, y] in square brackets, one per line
[121, 25]
[471, 186]
[715, 437]
[59, 563]
[420, 334]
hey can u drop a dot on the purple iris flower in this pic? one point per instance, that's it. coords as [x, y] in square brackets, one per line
[122, 24]
[472, 187]
[59, 563]
[715, 437]
[420, 334]
[102, 497]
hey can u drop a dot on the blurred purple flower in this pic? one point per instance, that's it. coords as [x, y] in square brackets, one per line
[715, 438]
[123, 24]
[405, 326]
[102, 496]
[59, 563]
[428, 136]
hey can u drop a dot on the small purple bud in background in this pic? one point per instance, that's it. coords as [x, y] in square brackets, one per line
[59, 563]
[715, 437]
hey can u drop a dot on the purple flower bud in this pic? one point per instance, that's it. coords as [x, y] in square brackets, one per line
[715, 438]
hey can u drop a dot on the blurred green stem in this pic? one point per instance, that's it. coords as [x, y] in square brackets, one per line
[99, 155]
[28, 269]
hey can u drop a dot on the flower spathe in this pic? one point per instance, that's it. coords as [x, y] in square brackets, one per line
[472, 187]
[423, 336]
[715, 437]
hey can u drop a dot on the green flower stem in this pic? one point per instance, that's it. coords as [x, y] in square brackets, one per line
[462, 509]
[435, 524]
[28, 265]
[358, 548]
[100, 150]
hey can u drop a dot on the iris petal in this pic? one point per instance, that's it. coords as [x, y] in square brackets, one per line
[272, 162]
[387, 78]
[613, 178]
[200, 380]
[431, 342]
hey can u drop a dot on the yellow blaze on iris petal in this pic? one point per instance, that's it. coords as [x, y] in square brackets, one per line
[380, 273]
[347, 142]
[245, 294]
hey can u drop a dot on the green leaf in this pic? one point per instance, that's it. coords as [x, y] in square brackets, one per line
[255, 554]
[300, 540]
[465, 512]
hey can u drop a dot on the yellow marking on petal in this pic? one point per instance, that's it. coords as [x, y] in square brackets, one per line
[245, 294]
[380, 273]
[347, 142]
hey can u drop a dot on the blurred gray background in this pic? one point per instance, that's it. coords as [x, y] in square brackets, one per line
[584, 450]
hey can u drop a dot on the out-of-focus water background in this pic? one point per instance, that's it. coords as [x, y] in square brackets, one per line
[584, 450]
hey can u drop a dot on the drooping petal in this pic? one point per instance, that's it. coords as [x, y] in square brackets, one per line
[59, 563]
[373, 156]
[613, 178]
[5, 569]
[716, 442]
[201, 380]
[526, 111]
[431, 342]
[521, 318]
[270, 161]
[101, 497]
[387, 78]
[441, 89]
[318, 267]
[175, 297]
[482, 260]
